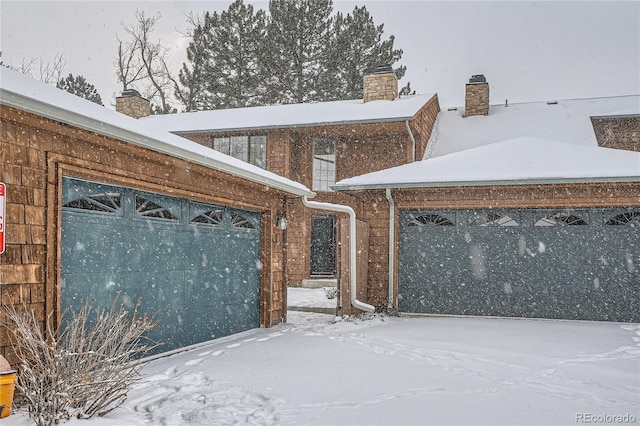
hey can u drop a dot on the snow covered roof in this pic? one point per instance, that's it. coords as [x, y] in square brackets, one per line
[567, 121]
[20, 91]
[520, 160]
[292, 115]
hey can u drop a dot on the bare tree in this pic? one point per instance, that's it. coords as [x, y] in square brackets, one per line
[48, 72]
[128, 67]
[143, 62]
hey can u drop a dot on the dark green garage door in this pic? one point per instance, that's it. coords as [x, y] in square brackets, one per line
[571, 264]
[196, 266]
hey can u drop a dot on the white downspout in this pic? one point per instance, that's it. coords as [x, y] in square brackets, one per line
[392, 229]
[352, 246]
[413, 141]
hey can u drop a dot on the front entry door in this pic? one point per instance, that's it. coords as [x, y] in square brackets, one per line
[323, 245]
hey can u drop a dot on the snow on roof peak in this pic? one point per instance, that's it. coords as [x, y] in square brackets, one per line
[292, 115]
[23, 92]
[563, 120]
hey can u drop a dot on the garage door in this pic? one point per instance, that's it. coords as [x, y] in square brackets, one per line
[195, 265]
[572, 264]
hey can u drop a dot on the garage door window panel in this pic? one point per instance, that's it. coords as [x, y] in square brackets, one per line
[431, 220]
[239, 221]
[211, 217]
[493, 219]
[147, 208]
[101, 203]
[628, 218]
[561, 219]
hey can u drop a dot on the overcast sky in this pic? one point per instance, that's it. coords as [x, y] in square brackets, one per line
[527, 50]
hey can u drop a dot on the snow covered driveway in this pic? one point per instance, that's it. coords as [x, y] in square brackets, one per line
[396, 371]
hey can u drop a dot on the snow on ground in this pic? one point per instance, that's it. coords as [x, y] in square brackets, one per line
[321, 370]
[299, 297]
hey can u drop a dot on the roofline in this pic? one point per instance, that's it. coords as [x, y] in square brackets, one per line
[540, 181]
[629, 115]
[28, 104]
[552, 99]
[299, 125]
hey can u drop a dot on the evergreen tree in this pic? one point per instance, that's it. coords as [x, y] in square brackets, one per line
[299, 53]
[295, 54]
[225, 70]
[357, 49]
[191, 91]
[79, 86]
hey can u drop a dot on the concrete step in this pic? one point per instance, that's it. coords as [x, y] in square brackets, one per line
[319, 282]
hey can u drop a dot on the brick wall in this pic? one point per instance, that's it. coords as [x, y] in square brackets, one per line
[376, 212]
[422, 125]
[476, 99]
[360, 149]
[34, 155]
[133, 106]
[621, 132]
[381, 86]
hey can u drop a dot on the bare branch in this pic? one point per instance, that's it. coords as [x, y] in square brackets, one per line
[84, 370]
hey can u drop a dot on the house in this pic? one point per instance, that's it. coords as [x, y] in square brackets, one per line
[99, 203]
[515, 210]
[527, 210]
[317, 144]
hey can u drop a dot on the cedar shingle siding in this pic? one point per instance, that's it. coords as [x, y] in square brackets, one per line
[36, 152]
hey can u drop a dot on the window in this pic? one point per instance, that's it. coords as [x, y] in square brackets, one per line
[211, 217]
[238, 221]
[109, 202]
[430, 220]
[324, 164]
[252, 149]
[560, 219]
[629, 218]
[147, 208]
[493, 219]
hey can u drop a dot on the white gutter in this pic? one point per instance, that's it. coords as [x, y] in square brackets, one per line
[352, 247]
[439, 184]
[392, 237]
[413, 142]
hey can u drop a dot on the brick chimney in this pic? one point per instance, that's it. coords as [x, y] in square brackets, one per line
[381, 85]
[476, 100]
[132, 104]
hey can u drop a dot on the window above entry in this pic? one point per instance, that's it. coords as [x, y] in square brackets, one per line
[252, 149]
[324, 164]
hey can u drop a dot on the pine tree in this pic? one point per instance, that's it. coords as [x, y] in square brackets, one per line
[357, 49]
[191, 91]
[295, 54]
[299, 53]
[224, 71]
[80, 87]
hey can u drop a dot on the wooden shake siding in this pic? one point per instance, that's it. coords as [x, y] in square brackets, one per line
[36, 152]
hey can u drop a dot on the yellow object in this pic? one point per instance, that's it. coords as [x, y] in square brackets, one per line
[7, 384]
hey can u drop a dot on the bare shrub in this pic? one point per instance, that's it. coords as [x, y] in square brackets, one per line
[81, 371]
[330, 292]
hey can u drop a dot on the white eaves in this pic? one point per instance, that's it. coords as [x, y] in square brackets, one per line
[22, 92]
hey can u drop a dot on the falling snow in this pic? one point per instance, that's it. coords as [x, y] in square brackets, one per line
[321, 370]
